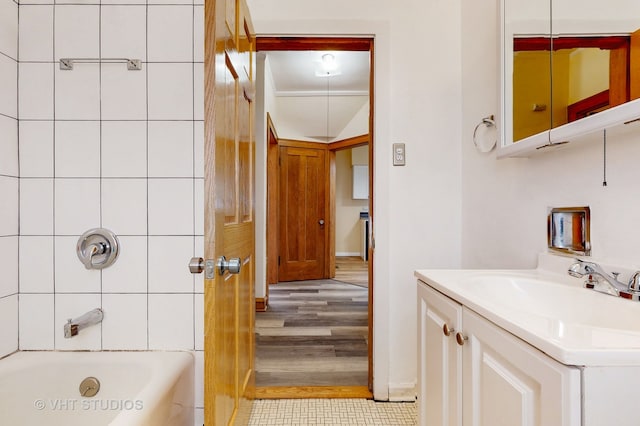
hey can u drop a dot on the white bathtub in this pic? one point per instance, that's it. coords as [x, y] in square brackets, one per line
[136, 388]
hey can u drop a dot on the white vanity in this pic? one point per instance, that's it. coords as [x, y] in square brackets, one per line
[525, 347]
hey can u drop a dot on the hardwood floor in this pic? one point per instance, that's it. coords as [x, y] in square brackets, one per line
[313, 334]
[352, 270]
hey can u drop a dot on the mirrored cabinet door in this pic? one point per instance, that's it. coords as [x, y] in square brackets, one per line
[527, 68]
[595, 44]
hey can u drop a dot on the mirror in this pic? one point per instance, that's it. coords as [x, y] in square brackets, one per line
[586, 62]
[568, 230]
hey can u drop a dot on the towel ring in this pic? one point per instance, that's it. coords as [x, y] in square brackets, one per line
[485, 135]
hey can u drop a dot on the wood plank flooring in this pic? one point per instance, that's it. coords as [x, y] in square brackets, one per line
[352, 270]
[313, 334]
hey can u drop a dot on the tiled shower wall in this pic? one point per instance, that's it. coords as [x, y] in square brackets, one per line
[9, 181]
[102, 146]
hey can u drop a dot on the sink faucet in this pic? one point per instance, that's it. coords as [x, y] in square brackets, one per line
[73, 326]
[629, 291]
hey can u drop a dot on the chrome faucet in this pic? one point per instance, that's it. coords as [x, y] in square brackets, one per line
[73, 326]
[614, 287]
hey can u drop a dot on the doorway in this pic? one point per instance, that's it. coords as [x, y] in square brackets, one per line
[362, 301]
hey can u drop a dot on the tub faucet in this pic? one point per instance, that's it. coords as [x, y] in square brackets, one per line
[73, 326]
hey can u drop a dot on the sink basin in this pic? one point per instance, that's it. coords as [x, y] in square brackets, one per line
[574, 325]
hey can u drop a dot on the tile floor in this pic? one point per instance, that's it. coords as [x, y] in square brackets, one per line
[351, 412]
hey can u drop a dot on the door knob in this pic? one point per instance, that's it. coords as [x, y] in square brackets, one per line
[232, 265]
[461, 338]
[446, 330]
[321, 222]
[196, 265]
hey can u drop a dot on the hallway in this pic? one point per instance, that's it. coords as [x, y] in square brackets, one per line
[314, 334]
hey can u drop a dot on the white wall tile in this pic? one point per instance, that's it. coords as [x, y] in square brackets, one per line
[125, 321]
[199, 321]
[37, 326]
[171, 321]
[170, 33]
[9, 210]
[9, 321]
[70, 274]
[77, 206]
[8, 265]
[198, 279]
[77, 31]
[168, 260]
[170, 149]
[36, 148]
[124, 32]
[124, 93]
[8, 86]
[77, 149]
[128, 274]
[9, 28]
[36, 206]
[36, 91]
[198, 91]
[36, 264]
[72, 306]
[198, 33]
[199, 206]
[124, 206]
[170, 207]
[198, 399]
[124, 149]
[36, 33]
[8, 146]
[78, 93]
[198, 148]
[170, 91]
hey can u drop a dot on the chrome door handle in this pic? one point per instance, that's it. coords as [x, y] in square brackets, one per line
[196, 265]
[232, 265]
[321, 222]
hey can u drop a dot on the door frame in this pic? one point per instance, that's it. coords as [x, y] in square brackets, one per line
[306, 43]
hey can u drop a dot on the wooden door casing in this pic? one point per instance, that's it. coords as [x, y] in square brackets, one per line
[229, 212]
[303, 210]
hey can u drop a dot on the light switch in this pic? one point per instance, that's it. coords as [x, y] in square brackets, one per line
[398, 154]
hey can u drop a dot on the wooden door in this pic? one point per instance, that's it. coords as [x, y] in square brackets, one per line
[303, 213]
[229, 212]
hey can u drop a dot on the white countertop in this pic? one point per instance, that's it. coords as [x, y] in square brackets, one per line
[549, 310]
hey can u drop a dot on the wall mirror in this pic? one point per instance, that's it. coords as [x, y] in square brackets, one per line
[568, 230]
[566, 60]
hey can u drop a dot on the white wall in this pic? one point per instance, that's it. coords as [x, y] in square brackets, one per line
[348, 224]
[101, 146]
[505, 201]
[418, 102]
[8, 176]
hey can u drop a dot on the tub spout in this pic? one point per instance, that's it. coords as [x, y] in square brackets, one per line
[73, 326]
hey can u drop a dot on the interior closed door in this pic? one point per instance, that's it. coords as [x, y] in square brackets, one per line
[303, 214]
[229, 213]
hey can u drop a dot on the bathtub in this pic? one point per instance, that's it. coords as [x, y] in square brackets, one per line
[136, 388]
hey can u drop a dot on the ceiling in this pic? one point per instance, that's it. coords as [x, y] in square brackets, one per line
[296, 73]
[301, 86]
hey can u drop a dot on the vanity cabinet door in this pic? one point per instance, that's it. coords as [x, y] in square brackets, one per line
[509, 383]
[439, 359]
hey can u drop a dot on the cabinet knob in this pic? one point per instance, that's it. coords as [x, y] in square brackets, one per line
[446, 330]
[461, 338]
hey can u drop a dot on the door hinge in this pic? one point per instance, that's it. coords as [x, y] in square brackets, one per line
[278, 260]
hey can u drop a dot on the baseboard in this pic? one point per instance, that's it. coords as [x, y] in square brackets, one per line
[348, 254]
[296, 392]
[402, 392]
[261, 304]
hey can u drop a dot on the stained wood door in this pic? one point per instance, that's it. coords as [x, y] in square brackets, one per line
[229, 212]
[303, 212]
